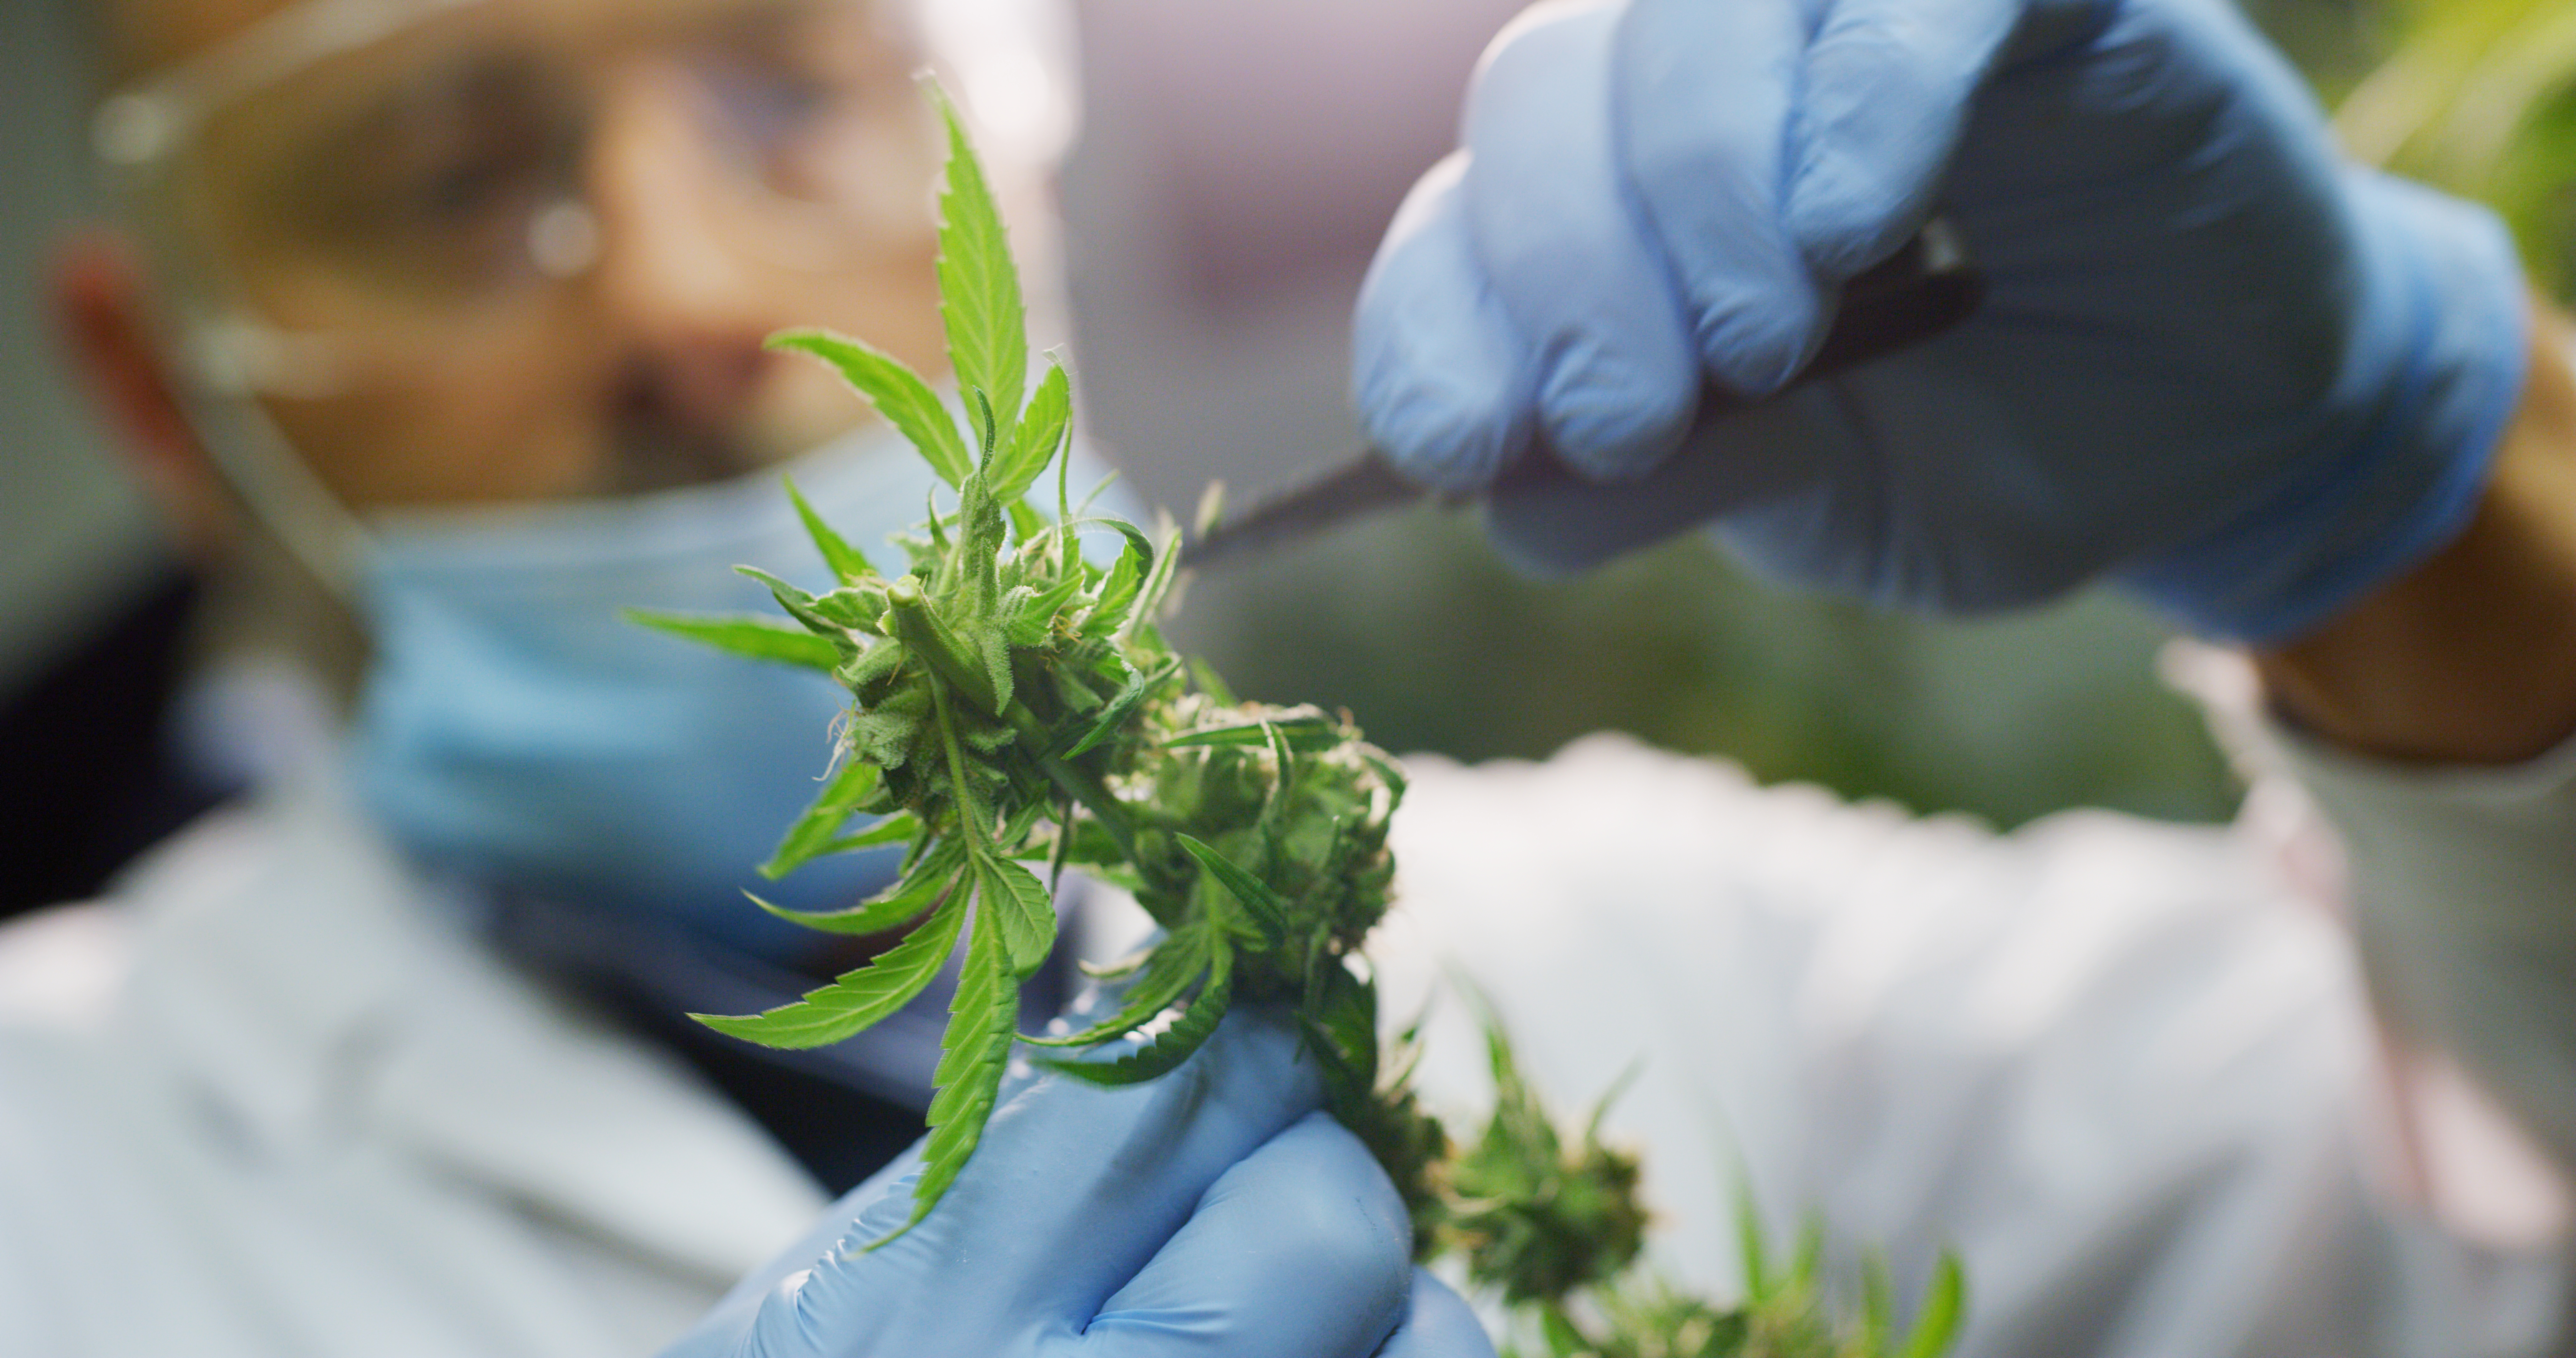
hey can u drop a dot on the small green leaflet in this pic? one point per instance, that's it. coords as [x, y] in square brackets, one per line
[1943, 1308]
[1124, 706]
[1173, 1045]
[1024, 915]
[1304, 733]
[983, 1020]
[1262, 905]
[827, 1014]
[979, 290]
[1175, 962]
[848, 563]
[1041, 434]
[800, 606]
[904, 399]
[749, 635]
[811, 836]
[919, 889]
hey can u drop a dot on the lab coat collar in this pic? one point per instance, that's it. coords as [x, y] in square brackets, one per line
[301, 979]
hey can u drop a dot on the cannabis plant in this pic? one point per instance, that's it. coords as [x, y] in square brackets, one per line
[1016, 713]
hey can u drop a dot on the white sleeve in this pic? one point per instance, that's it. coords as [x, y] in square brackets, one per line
[2462, 885]
[2114, 1063]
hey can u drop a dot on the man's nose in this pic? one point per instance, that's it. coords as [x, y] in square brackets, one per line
[674, 282]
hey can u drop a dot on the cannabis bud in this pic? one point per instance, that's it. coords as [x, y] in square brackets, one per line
[1014, 709]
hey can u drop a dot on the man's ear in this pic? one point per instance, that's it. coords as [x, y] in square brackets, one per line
[101, 303]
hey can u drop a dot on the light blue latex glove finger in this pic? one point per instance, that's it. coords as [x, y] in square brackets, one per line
[1306, 1229]
[1441, 377]
[1885, 91]
[2212, 362]
[1074, 1190]
[1437, 1324]
[1703, 100]
[1615, 373]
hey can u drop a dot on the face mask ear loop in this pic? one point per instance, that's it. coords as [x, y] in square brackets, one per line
[276, 485]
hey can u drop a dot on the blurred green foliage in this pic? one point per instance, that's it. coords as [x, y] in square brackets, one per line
[2479, 97]
[1434, 646]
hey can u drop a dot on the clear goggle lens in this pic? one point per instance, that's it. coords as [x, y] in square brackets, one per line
[392, 170]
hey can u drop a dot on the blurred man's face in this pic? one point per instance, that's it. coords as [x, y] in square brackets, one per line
[528, 249]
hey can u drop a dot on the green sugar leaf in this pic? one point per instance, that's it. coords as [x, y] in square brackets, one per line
[979, 289]
[846, 561]
[1943, 1308]
[746, 634]
[975, 1051]
[1123, 706]
[896, 391]
[828, 1014]
[1023, 913]
[918, 890]
[1174, 1044]
[1041, 434]
[1178, 960]
[812, 834]
[1307, 734]
[1267, 910]
[800, 606]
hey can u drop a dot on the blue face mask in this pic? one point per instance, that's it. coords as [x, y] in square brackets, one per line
[513, 728]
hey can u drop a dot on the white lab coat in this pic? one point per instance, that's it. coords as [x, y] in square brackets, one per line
[266, 1100]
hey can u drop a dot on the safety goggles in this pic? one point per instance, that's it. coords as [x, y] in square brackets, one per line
[351, 183]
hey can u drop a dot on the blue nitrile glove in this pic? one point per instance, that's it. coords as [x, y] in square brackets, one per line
[1212, 1211]
[2216, 362]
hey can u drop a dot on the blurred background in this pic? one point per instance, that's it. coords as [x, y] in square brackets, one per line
[1237, 165]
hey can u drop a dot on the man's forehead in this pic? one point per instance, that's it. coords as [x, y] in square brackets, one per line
[149, 36]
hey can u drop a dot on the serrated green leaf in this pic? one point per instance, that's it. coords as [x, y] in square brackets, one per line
[1944, 1306]
[979, 289]
[746, 635]
[1123, 706]
[800, 606]
[920, 887]
[847, 562]
[831, 1013]
[1174, 1044]
[1263, 906]
[1041, 433]
[1157, 585]
[894, 829]
[807, 839]
[1117, 594]
[1308, 734]
[896, 391]
[1173, 965]
[1023, 911]
[983, 1020]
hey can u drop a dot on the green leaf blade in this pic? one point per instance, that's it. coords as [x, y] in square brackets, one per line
[1023, 913]
[1269, 913]
[919, 889]
[829, 1014]
[1176, 963]
[1041, 434]
[1944, 1306]
[982, 1023]
[746, 634]
[848, 563]
[1124, 706]
[812, 834]
[896, 391]
[979, 288]
[1174, 1044]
